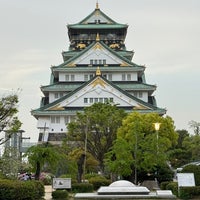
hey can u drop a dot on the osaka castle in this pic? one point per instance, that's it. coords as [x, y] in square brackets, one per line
[97, 67]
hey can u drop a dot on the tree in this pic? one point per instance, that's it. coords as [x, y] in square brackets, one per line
[10, 163]
[9, 122]
[195, 126]
[180, 154]
[191, 143]
[137, 146]
[41, 155]
[95, 129]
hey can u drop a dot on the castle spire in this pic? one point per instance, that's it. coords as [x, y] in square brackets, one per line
[97, 6]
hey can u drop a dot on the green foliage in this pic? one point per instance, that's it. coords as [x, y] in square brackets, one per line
[191, 143]
[60, 194]
[82, 187]
[164, 184]
[139, 146]
[193, 169]
[8, 118]
[99, 181]
[179, 157]
[189, 192]
[44, 154]
[195, 126]
[21, 190]
[165, 174]
[10, 163]
[173, 186]
[98, 123]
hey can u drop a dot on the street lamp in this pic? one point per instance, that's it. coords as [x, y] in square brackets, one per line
[157, 127]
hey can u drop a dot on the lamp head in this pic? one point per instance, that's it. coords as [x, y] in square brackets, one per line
[157, 126]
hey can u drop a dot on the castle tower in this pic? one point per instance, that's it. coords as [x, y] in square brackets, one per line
[96, 68]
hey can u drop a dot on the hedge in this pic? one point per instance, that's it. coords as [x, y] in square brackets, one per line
[21, 190]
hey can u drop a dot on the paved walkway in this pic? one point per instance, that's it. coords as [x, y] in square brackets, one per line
[48, 191]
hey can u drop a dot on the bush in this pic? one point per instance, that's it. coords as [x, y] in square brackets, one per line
[97, 182]
[60, 194]
[173, 186]
[18, 190]
[189, 192]
[82, 187]
[163, 185]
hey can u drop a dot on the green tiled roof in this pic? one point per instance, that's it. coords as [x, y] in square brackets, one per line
[102, 68]
[69, 86]
[102, 22]
[42, 110]
[90, 46]
[97, 26]
[61, 87]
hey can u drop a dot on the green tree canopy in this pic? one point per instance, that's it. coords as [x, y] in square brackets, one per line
[138, 146]
[43, 154]
[195, 126]
[96, 127]
[8, 119]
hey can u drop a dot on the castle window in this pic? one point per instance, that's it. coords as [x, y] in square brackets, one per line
[128, 77]
[104, 62]
[72, 77]
[91, 62]
[56, 95]
[140, 95]
[105, 100]
[85, 100]
[95, 100]
[95, 62]
[110, 77]
[55, 119]
[101, 100]
[91, 76]
[111, 100]
[100, 62]
[67, 77]
[86, 77]
[67, 119]
[91, 100]
[123, 77]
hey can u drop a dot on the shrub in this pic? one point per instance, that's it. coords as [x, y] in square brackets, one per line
[173, 186]
[189, 192]
[163, 185]
[60, 194]
[82, 187]
[97, 182]
[21, 190]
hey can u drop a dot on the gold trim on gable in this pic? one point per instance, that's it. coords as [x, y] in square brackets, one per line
[139, 107]
[98, 81]
[124, 64]
[98, 37]
[97, 46]
[71, 65]
[98, 72]
[56, 108]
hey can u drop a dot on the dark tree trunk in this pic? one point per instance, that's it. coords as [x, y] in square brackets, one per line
[37, 173]
[80, 167]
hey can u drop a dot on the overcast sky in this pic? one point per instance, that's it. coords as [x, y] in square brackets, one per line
[165, 35]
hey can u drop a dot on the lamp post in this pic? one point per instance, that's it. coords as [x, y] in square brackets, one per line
[157, 128]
